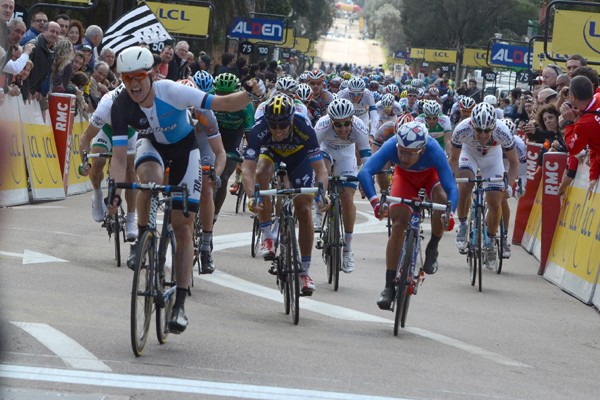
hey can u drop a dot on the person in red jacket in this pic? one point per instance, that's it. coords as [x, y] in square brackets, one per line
[581, 119]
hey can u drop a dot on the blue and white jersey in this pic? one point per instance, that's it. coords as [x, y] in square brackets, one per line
[332, 143]
[166, 121]
[384, 117]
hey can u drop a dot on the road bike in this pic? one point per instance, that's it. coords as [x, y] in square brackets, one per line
[154, 286]
[476, 254]
[114, 224]
[286, 266]
[409, 272]
[331, 239]
[207, 170]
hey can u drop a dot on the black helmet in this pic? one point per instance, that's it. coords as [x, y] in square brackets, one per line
[280, 108]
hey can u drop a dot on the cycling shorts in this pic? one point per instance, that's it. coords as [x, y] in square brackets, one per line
[489, 165]
[343, 163]
[407, 184]
[301, 175]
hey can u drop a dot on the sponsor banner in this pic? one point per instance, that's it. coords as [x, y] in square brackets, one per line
[183, 20]
[77, 183]
[475, 58]
[302, 44]
[574, 257]
[531, 236]
[526, 201]
[596, 297]
[62, 111]
[312, 50]
[417, 53]
[538, 48]
[440, 56]
[288, 42]
[260, 29]
[553, 166]
[576, 32]
[510, 55]
[41, 156]
[13, 173]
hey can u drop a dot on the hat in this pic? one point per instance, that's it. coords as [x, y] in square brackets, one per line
[206, 60]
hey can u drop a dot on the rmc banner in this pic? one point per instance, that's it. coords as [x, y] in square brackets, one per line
[576, 32]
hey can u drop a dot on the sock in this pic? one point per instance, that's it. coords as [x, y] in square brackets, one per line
[206, 239]
[347, 242]
[433, 242]
[130, 217]
[390, 275]
[266, 230]
[98, 196]
[141, 230]
[180, 297]
[305, 265]
[463, 221]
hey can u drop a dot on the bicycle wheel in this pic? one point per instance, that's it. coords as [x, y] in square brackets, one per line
[282, 277]
[327, 236]
[479, 242]
[336, 249]
[256, 236]
[240, 200]
[197, 240]
[292, 266]
[166, 280]
[500, 246]
[402, 293]
[141, 299]
[472, 251]
[116, 227]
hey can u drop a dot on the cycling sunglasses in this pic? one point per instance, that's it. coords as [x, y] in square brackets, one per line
[342, 124]
[134, 76]
[279, 125]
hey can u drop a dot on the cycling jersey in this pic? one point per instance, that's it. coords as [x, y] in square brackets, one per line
[441, 126]
[407, 107]
[206, 128]
[101, 120]
[385, 131]
[365, 109]
[323, 99]
[298, 150]
[383, 117]
[433, 157]
[231, 121]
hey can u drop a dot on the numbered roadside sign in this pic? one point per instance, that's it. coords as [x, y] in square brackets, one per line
[262, 50]
[524, 76]
[489, 76]
[285, 54]
[246, 47]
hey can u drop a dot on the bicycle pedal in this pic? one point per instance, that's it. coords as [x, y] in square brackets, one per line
[272, 270]
[319, 245]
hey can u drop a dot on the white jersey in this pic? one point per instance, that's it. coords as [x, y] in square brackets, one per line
[383, 117]
[405, 106]
[464, 136]
[101, 115]
[365, 109]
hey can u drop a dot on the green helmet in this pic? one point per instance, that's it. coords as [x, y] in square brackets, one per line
[226, 83]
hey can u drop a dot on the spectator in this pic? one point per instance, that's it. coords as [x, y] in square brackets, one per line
[546, 96]
[36, 27]
[80, 85]
[93, 38]
[62, 69]
[547, 125]
[574, 62]
[15, 88]
[590, 73]
[581, 123]
[87, 52]
[7, 8]
[549, 75]
[15, 57]
[474, 91]
[227, 62]
[166, 55]
[463, 90]
[38, 83]
[108, 56]
[64, 21]
[177, 64]
[239, 69]
[99, 85]
[562, 81]
[202, 63]
[78, 61]
[75, 33]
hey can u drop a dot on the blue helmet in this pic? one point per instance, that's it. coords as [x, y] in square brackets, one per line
[203, 80]
[412, 135]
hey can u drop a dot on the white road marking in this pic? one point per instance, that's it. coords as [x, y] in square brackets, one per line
[333, 311]
[71, 352]
[35, 207]
[32, 257]
[157, 383]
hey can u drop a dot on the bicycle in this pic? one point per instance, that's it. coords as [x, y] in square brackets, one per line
[286, 266]
[240, 202]
[331, 238]
[114, 224]
[153, 287]
[408, 276]
[208, 170]
[476, 256]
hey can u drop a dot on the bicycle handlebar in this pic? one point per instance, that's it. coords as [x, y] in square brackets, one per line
[479, 179]
[415, 203]
[285, 192]
[343, 178]
[153, 187]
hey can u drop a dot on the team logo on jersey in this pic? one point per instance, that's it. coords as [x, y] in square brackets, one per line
[286, 150]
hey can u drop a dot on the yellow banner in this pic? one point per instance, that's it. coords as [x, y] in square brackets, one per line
[576, 32]
[181, 19]
[440, 55]
[17, 177]
[312, 50]
[290, 39]
[476, 58]
[417, 53]
[302, 44]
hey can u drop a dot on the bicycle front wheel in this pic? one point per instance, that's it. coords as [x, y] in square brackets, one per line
[166, 280]
[141, 293]
[402, 286]
[117, 237]
[197, 240]
[256, 236]
[479, 242]
[336, 246]
[292, 266]
[500, 246]
[472, 251]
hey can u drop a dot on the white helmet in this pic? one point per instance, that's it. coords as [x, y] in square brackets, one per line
[134, 59]
[340, 109]
[483, 116]
[412, 135]
[388, 100]
[491, 99]
[432, 109]
[286, 84]
[356, 85]
[510, 124]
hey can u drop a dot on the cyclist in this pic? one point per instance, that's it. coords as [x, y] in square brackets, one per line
[233, 126]
[477, 145]
[387, 109]
[340, 133]
[316, 79]
[464, 108]
[394, 90]
[438, 125]
[420, 163]
[212, 154]
[158, 111]
[304, 94]
[409, 103]
[364, 104]
[101, 131]
[284, 136]
[334, 84]
[288, 86]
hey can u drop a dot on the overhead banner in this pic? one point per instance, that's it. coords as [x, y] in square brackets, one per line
[476, 58]
[302, 44]
[440, 56]
[417, 53]
[510, 55]
[260, 29]
[576, 32]
[288, 42]
[183, 20]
